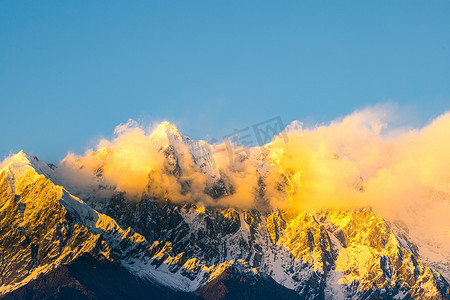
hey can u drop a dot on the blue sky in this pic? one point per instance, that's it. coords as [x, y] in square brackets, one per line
[70, 71]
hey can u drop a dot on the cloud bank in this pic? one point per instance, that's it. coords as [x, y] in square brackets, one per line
[356, 161]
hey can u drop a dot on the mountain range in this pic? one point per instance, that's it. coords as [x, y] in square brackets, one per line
[183, 230]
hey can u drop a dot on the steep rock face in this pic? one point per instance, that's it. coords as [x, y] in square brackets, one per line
[217, 236]
[43, 226]
[308, 240]
[354, 252]
[373, 262]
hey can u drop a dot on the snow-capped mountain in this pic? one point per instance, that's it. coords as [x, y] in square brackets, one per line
[68, 229]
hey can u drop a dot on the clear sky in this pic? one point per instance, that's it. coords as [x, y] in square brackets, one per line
[70, 71]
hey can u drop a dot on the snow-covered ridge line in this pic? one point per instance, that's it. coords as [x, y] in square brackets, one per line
[35, 197]
[354, 253]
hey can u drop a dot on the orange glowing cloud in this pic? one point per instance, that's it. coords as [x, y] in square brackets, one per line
[351, 162]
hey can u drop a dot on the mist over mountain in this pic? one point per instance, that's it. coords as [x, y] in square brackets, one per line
[356, 161]
[349, 209]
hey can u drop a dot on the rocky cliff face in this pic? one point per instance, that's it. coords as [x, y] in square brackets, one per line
[353, 253]
[43, 226]
[187, 250]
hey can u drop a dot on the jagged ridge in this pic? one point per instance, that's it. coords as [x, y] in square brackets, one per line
[350, 253]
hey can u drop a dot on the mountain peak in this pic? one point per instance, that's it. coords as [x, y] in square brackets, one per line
[22, 162]
[167, 132]
[20, 159]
